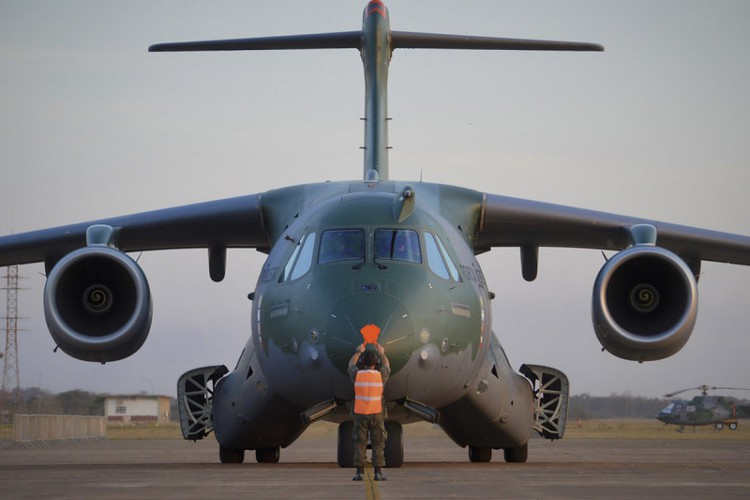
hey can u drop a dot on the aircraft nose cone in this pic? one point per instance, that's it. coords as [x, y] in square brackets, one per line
[359, 316]
[662, 417]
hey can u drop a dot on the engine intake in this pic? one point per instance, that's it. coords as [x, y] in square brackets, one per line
[645, 303]
[97, 304]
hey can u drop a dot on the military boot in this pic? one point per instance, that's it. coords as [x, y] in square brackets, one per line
[379, 474]
[358, 474]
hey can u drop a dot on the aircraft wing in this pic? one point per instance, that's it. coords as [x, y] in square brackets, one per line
[510, 222]
[228, 223]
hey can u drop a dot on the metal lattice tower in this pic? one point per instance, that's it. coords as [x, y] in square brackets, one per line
[11, 387]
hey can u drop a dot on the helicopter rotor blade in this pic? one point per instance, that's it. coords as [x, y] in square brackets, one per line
[669, 395]
[705, 388]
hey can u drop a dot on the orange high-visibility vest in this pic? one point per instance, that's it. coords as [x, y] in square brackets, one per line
[368, 392]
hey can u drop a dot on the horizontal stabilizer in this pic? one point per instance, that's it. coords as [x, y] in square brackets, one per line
[353, 40]
[409, 40]
[339, 40]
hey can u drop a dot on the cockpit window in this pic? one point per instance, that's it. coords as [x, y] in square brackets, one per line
[434, 260]
[438, 258]
[342, 244]
[304, 262]
[301, 259]
[451, 266]
[397, 244]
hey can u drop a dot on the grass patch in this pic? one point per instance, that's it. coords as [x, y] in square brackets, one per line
[584, 429]
[649, 429]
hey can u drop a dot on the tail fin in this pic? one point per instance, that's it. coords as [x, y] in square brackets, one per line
[375, 42]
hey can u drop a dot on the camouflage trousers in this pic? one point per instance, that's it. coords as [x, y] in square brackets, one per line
[375, 426]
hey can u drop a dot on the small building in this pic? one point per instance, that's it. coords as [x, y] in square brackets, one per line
[137, 409]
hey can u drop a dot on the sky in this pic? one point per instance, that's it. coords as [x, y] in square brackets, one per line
[92, 125]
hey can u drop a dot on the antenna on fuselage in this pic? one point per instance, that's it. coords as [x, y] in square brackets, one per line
[376, 43]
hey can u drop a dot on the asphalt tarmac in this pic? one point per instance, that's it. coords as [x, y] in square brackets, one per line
[434, 468]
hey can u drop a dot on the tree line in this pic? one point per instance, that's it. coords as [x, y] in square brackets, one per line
[34, 400]
[585, 406]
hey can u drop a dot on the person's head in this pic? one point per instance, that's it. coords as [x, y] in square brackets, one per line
[370, 358]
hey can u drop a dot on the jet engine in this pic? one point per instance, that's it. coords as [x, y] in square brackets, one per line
[645, 303]
[97, 304]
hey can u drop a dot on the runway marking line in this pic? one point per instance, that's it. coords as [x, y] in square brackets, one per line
[371, 487]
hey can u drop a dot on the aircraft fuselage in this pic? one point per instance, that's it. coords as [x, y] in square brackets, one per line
[346, 262]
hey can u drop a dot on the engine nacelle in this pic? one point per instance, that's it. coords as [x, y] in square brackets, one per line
[97, 304]
[645, 303]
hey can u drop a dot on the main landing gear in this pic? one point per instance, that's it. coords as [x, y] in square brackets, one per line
[483, 454]
[732, 424]
[237, 455]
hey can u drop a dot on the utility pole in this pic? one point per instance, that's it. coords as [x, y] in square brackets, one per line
[11, 388]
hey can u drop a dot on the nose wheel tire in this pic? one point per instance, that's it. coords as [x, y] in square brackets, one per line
[345, 451]
[394, 445]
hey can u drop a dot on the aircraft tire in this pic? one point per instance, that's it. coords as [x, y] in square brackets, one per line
[517, 454]
[480, 454]
[394, 444]
[345, 452]
[268, 455]
[231, 455]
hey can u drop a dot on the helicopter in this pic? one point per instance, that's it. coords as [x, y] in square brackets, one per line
[704, 409]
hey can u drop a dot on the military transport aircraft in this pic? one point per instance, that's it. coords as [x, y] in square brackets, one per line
[390, 260]
[704, 409]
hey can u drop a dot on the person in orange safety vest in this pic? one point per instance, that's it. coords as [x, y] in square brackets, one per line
[369, 409]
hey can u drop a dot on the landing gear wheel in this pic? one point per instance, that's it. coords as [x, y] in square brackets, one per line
[394, 445]
[346, 445]
[733, 426]
[480, 454]
[268, 455]
[517, 454]
[719, 426]
[231, 455]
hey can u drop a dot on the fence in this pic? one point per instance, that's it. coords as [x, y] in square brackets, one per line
[54, 427]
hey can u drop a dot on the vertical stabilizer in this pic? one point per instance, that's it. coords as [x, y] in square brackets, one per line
[375, 42]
